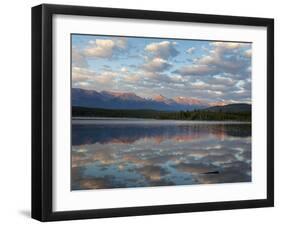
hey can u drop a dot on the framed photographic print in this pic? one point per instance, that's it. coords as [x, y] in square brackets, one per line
[145, 112]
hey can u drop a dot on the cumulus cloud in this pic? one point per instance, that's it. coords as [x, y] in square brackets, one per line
[121, 43]
[197, 70]
[212, 71]
[100, 48]
[190, 50]
[80, 74]
[104, 48]
[131, 78]
[229, 45]
[105, 76]
[164, 49]
[198, 84]
[248, 53]
[223, 80]
[124, 69]
[78, 59]
[156, 65]
[224, 57]
[87, 78]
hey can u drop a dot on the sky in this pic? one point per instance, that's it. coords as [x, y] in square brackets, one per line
[215, 72]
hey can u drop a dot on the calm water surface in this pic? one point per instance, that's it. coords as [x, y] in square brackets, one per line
[122, 153]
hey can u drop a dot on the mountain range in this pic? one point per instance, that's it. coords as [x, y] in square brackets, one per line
[130, 101]
[231, 108]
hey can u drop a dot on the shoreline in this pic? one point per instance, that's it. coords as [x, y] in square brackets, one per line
[117, 120]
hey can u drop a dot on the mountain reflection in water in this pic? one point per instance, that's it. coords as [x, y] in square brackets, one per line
[141, 154]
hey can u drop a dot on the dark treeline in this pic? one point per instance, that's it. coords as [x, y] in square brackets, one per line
[153, 114]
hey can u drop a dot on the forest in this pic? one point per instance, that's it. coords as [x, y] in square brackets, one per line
[202, 114]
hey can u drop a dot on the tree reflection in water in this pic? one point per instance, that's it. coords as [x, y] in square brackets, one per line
[122, 155]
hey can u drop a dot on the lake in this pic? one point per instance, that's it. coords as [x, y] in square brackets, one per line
[123, 153]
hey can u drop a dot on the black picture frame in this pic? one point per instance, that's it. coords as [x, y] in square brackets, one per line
[42, 196]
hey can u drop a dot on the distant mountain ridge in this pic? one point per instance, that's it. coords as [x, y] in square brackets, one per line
[231, 108]
[128, 100]
[131, 101]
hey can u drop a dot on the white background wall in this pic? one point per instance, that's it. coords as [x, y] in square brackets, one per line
[15, 114]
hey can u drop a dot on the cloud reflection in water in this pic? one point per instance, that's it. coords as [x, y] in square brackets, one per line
[140, 155]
